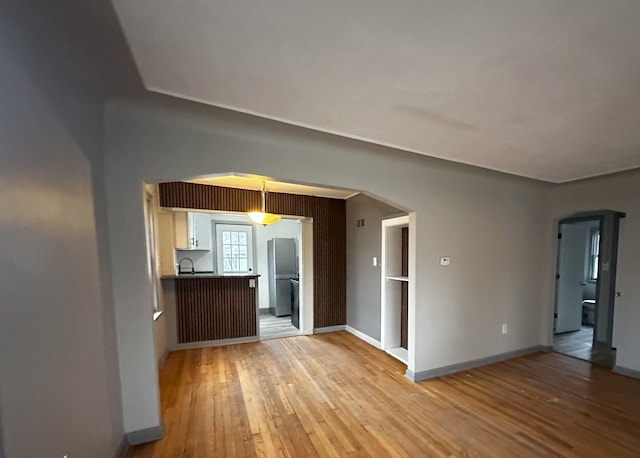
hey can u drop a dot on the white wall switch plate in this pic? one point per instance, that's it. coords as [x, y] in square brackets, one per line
[445, 261]
[504, 328]
[252, 283]
[375, 261]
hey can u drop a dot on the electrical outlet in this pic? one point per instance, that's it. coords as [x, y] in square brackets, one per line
[504, 328]
[445, 261]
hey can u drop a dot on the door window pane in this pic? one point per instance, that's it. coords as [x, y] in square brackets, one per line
[235, 251]
[594, 254]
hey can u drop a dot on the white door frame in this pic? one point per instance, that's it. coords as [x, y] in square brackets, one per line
[248, 228]
[387, 340]
[306, 275]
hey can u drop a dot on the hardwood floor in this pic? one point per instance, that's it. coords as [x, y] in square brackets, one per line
[579, 344]
[334, 395]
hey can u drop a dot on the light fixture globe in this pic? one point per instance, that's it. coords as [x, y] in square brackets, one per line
[263, 217]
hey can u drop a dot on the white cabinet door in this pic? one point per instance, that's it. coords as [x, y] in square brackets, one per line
[181, 230]
[199, 231]
[166, 243]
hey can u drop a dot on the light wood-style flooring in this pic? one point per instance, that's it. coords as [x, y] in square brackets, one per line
[334, 395]
[579, 344]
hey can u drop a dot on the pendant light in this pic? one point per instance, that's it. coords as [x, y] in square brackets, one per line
[263, 217]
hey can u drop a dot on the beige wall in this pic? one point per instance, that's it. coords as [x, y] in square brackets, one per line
[490, 224]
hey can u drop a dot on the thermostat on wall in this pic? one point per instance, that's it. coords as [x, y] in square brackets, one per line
[445, 261]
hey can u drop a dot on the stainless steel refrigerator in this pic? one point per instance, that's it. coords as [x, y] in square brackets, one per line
[283, 266]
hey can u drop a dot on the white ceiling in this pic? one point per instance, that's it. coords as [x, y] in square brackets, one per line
[548, 89]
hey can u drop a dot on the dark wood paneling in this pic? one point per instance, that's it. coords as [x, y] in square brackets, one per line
[404, 291]
[405, 252]
[214, 308]
[329, 234]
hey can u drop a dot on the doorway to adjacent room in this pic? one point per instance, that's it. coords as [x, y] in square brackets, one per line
[281, 267]
[585, 286]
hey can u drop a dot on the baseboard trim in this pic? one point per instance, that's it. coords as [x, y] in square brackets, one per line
[123, 449]
[453, 368]
[145, 435]
[162, 359]
[340, 327]
[215, 343]
[626, 372]
[362, 336]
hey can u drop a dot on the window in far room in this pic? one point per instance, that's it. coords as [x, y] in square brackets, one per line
[594, 254]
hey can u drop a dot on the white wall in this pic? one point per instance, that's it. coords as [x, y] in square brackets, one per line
[491, 225]
[620, 193]
[59, 383]
[159, 324]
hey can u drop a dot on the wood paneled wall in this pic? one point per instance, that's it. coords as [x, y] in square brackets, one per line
[404, 294]
[215, 308]
[329, 234]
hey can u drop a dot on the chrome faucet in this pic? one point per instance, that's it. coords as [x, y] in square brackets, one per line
[193, 269]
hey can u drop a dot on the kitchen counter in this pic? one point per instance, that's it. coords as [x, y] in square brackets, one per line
[205, 275]
[210, 307]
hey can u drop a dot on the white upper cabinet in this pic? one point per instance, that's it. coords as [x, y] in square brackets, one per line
[199, 231]
[192, 230]
[181, 230]
[167, 242]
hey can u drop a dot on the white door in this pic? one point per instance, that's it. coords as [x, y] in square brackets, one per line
[571, 259]
[234, 243]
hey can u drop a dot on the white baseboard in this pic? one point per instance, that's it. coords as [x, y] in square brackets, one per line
[340, 327]
[362, 336]
[399, 353]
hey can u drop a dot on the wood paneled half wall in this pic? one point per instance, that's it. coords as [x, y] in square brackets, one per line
[329, 234]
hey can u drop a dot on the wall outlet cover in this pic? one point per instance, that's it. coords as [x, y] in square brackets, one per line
[445, 261]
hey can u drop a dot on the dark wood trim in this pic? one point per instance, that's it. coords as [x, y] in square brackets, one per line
[404, 291]
[613, 272]
[329, 234]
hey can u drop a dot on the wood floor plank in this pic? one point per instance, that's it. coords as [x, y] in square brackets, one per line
[334, 395]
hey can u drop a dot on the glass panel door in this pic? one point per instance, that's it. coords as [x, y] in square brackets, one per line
[234, 249]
